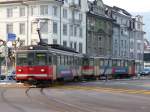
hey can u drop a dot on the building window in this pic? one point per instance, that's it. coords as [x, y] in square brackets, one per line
[80, 34]
[138, 46]
[71, 44]
[45, 40]
[80, 17]
[65, 13]
[22, 11]
[75, 31]
[65, 43]
[54, 27]
[54, 41]
[80, 47]
[71, 30]
[44, 9]
[75, 46]
[55, 10]
[22, 28]
[66, 1]
[33, 10]
[33, 28]
[9, 12]
[64, 29]
[9, 28]
[44, 27]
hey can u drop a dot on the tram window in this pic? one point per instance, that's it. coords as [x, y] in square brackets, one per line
[101, 62]
[54, 59]
[41, 59]
[50, 59]
[85, 61]
[106, 62]
[114, 62]
[79, 61]
[22, 59]
[126, 63]
[75, 61]
[58, 60]
[91, 62]
[31, 59]
[66, 60]
[110, 63]
[119, 63]
[62, 60]
[71, 60]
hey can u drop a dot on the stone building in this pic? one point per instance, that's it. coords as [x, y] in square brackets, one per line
[99, 30]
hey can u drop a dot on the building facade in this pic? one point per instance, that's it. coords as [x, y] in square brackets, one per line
[99, 30]
[138, 35]
[128, 36]
[61, 21]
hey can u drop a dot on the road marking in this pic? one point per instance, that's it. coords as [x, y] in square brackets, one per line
[106, 89]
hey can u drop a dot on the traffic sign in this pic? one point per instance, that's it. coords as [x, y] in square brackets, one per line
[11, 37]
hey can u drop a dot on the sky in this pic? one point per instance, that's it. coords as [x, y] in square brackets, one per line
[130, 5]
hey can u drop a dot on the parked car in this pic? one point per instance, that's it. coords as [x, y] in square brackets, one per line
[2, 77]
[145, 72]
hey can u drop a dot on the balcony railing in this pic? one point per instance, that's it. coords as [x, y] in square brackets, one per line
[74, 5]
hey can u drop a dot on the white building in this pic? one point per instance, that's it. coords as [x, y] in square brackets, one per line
[60, 23]
[137, 42]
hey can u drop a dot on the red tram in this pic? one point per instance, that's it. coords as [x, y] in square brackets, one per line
[38, 64]
[43, 64]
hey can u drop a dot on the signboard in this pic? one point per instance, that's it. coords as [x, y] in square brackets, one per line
[11, 37]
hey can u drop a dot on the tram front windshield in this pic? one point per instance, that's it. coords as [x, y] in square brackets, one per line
[31, 59]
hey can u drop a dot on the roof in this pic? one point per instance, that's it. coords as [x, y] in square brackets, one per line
[121, 11]
[22, 1]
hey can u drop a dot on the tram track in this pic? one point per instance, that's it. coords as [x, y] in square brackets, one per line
[9, 103]
[53, 103]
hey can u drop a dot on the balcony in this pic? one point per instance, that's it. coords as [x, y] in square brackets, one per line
[74, 5]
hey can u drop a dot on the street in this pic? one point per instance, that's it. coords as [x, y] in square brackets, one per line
[97, 96]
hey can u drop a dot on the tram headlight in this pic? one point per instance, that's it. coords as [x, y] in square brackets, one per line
[31, 47]
[19, 70]
[42, 70]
